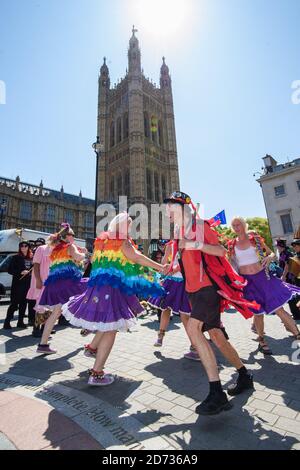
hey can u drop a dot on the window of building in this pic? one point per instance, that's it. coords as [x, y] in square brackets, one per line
[163, 187]
[112, 134]
[50, 213]
[69, 217]
[3, 211]
[156, 186]
[298, 184]
[149, 184]
[160, 134]
[120, 185]
[125, 126]
[154, 129]
[127, 184]
[112, 187]
[279, 190]
[89, 236]
[146, 125]
[287, 223]
[89, 220]
[25, 210]
[119, 130]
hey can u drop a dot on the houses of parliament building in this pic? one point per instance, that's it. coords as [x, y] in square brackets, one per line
[138, 159]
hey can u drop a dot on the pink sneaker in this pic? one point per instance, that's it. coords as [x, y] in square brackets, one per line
[158, 343]
[100, 380]
[45, 349]
[89, 352]
[192, 355]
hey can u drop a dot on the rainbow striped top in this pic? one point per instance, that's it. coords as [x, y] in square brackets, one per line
[63, 266]
[111, 267]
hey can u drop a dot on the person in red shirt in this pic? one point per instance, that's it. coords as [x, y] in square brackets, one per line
[195, 238]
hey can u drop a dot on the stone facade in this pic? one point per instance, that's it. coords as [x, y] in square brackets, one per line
[136, 127]
[25, 205]
[281, 191]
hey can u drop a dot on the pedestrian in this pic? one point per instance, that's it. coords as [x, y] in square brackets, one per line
[33, 293]
[110, 304]
[207, 275]
[64, 280]
[285, 253]
[252, 257]
[20, 268]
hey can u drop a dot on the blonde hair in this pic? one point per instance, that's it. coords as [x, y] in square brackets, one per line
[56, 238]
[119, 226]
[241, 220]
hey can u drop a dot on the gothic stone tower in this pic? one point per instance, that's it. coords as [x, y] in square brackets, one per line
[136, 126]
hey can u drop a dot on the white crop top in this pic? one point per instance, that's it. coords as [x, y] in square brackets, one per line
[245, 257]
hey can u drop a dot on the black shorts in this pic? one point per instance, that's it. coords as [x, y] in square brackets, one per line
[205, 305]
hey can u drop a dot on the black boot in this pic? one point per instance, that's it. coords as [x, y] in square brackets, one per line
[214, 404]
[7, 325]
[21, 325]
[244, 382]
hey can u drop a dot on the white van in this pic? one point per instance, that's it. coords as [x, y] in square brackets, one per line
[9, 246]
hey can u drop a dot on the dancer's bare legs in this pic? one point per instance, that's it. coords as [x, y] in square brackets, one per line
[288, 321]
[50, 324]
[259, 322]
[163, 326]
[105, 343]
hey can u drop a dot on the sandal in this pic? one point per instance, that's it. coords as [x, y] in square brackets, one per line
[160, 338]
[263, 347]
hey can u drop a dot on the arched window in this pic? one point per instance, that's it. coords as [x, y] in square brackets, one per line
[154, 128]
[125, 126]
[146, 125]
[112, 134]
[149, 185]
[112, 187]
[156, 186]
[120, 185]
[160, 134]
[119, 130]
[163, 187]
[127, 184]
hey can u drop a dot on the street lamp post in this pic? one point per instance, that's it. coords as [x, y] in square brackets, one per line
[98, 148]
[2, 210]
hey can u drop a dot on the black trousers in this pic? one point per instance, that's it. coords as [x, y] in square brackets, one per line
[14, 306]
[31, 311]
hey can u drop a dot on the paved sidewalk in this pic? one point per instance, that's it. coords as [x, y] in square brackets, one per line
[27, 424]
[151, 404]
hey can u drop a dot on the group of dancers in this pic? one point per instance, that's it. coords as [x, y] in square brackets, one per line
[198, 279]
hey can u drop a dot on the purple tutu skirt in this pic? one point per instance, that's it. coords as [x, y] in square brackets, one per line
[175, 299]
[59, 292]
[271, 293]
[102, 308]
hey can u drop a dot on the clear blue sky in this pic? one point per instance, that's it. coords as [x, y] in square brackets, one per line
[232, 64]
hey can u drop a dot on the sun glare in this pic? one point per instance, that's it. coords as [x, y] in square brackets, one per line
[162, 17]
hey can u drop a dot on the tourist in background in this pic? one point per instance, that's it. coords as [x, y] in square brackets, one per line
[20, 268]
